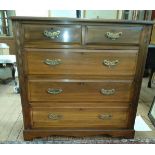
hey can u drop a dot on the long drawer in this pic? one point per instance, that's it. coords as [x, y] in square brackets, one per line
[113, 34]
[99, 118]
[81, 104]
[82, 62]
[77, 90]
[45, 36]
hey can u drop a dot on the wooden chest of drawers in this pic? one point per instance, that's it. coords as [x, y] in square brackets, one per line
[80, 77]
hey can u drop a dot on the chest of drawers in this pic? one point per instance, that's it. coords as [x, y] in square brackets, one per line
[80, 77]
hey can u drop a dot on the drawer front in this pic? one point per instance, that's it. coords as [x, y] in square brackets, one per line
[46, 36]
[100, 118]
[82, 62]
[113, 34]
[81, 104]
[75, 90]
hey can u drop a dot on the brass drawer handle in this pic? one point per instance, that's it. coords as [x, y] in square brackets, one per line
[51, 34]
[109, 63]
[113, 36]
[53, 62]
[54, 116]
[105, 116]
[108, 91]
[54, 91]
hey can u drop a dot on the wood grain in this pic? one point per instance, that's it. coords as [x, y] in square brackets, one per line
[79, 91]
[145, 38]
[97, 34]
[79, 118]
[80, 76]
[34, 34]
[31, 134]
[62, 20]
[14, 127]
[82, 62]
[86, 104]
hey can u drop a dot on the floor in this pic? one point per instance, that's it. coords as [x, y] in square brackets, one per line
[145, 101]
[11, 124]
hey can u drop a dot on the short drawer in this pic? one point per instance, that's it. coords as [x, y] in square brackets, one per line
[45, 36]
[99, 118]
[82, 62]
[77, 90]
[113, 34]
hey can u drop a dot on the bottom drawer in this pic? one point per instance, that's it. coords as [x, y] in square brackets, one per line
[61, 118]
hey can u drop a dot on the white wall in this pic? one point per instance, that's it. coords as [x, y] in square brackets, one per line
[63, 13]
[39, 13]
[104, 14]
[47, 13]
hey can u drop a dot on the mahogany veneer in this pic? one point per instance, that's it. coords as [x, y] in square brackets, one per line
[80, 77]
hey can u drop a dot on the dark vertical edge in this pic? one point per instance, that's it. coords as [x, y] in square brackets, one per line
[22, 80]
[78, 13]
[144, 41]
[25, 63]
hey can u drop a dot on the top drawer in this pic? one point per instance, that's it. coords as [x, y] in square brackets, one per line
[113, 34]
[45, 36]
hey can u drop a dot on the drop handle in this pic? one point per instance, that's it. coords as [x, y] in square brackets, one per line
[52, 62]
[110, 63]
[113, 35]
[105, 116]
[108, 91]
[54, 91]
[51, 34]
[53, 116]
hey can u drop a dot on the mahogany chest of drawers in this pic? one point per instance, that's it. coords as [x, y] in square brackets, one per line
[80, 77]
